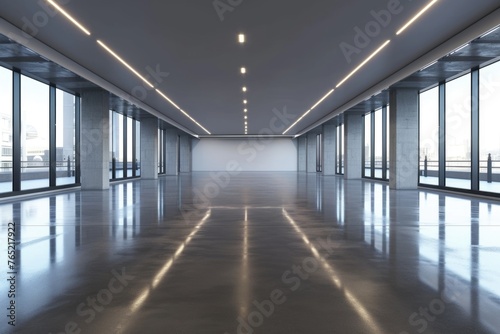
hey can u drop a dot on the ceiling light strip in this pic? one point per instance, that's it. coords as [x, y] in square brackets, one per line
[307, 112]
[69, 17]
[323, 98]
[489, 32]
[426, 8]
[182, 111]
[124, 63]
[297, 121]
[364, 63]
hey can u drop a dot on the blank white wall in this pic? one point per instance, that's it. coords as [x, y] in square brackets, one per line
[253, 155]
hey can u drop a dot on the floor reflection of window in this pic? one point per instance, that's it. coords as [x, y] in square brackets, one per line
[429, 240]
[458, 237]
[489, 246]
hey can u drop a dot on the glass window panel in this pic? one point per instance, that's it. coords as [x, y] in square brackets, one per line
[130, 144]
[342, 149]
[489, 120]
[65, 138]
[458, 133]
[111, 145]
[388, 140]
[429, 137]
[138, 148]
[337, 158]
[35, 140]
[378, 143]
[6, 130]
[160, 156]
[368, 145]
[118, 141]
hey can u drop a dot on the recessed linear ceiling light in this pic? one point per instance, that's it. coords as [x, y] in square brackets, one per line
[489, 32]
[243, 70]
[69, 17]
[459, 48]
[241, 38]
[182, 111]
[427, 66]
[426, 8]
[307, 112]
[364, 63]
[124, 63]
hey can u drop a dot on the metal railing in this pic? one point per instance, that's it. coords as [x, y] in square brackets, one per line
[490, 165]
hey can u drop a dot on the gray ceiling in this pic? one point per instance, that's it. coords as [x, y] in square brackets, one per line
[293, 53]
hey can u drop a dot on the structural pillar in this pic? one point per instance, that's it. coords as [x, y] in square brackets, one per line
[171, 149]
[94, 154]
[311, 153]
[302, 154]
[404, 139]
[353, 134]
[185, 154]
[149, 148]
[329, 148]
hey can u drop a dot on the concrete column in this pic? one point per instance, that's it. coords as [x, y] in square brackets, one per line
[171, 148]
[353, 146]
[404, 139]
[329, 147]
[302, 154]
[94, 157]
[185, 154]
[311, 153]
[149, 148]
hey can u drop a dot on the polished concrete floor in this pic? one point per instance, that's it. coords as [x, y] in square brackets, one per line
[253, 253]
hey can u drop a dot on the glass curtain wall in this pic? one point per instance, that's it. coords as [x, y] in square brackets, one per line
[429, 137]
[376, 144]
[459, 139]
[378, 148]
[161, 152]
[319, 153]
[35, 134]
[6, 130]
[489, 121]
[39, 131]
[137, 148]
[125, 141]
[118, 144]
[458, 133]
[387, 145]
[130, 158]
[340, 150]
[65, 138]
[367, 155]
